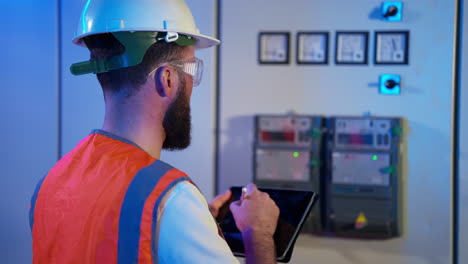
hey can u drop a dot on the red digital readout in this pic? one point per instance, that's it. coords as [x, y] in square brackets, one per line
[283, 136]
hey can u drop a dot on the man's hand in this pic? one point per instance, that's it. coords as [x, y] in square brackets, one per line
[255, 211]
[218, 202]
[256, 216]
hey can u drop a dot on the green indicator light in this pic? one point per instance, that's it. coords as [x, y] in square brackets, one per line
[296, 154]
[374, 157]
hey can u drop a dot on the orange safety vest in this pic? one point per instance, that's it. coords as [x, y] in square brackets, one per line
[99, 204]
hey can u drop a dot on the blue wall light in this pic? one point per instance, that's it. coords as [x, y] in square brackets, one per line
[390, 84]
[392, 11]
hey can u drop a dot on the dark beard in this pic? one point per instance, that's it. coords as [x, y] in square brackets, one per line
[177, 121]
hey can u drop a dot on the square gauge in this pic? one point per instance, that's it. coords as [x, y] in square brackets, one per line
[351, 47]
[273, 48]
[391, 47]
[312, 48]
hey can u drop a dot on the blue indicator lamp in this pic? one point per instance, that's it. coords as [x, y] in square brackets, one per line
[392, 11]
[390, 84]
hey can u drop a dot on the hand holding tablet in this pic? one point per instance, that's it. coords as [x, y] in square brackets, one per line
[294, 207]
[255, 210]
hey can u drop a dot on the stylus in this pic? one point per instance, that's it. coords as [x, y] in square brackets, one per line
[244, 193]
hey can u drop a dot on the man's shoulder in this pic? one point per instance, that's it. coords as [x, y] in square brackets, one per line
[159, 166]
[160, 175]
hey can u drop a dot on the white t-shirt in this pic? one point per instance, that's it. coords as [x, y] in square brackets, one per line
[186, 232]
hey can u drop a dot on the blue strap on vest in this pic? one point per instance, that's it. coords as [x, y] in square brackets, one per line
[138, 191]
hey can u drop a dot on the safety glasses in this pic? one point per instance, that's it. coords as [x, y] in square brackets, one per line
[192, 67]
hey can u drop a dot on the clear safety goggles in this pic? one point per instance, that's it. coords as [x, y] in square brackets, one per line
[192, 67]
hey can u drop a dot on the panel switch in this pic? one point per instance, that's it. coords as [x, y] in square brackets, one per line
[390, 84]
[392, 10]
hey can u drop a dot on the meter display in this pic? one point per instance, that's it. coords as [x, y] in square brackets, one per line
[365, 133]
[279, 165]
[391, 47]
[351, 47]
[360, 168]
[288, 131]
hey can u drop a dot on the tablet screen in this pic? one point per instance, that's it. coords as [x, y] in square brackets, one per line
[294, 208]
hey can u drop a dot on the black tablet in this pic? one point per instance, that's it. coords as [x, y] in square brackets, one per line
[294, 205]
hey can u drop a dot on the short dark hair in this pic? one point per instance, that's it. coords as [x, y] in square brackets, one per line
[128, 81]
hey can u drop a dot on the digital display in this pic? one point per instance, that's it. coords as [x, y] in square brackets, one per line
[278, 136]
[283, 165]
[353, 168]
[356, 139]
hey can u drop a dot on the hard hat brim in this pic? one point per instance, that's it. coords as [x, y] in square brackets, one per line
[201, 41]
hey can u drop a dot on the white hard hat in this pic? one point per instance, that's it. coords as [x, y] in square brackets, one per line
[105, 16]
[141, 18]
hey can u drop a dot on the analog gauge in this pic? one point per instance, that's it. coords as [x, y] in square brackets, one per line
[351, 47]
[312, 48]
[391, 47]
[274, 48]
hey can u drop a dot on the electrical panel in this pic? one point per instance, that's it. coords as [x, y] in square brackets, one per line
[351, 162]
[363, 183]
[287, 154]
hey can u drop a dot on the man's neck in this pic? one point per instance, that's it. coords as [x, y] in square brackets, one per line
[130, 119]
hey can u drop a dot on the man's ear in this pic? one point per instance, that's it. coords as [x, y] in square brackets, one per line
[158, 83]
[166, 81]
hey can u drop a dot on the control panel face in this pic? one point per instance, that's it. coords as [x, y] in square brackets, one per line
[282, 165]
[363, 133]
[355, 168]
[284, 131]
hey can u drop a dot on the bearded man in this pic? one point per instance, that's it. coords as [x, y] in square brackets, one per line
[112, 199]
